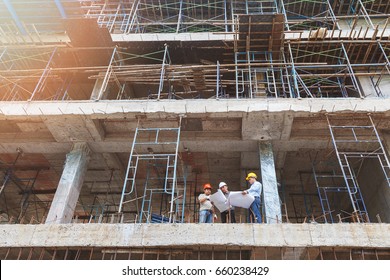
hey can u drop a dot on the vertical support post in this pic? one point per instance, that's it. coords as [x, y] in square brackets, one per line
[225, 9]
[15, 16]
[387, 65]
[294, 72]
[179, 17]
[42, 79]
[69, 187]
[290, 90]
[161, 85]
[333, 15]
[284, 14]
[353, 77]
[132, 16]
[174, 183]
[250, 74]
[218, 73]
[273, 212]
[365, 15]
[60, 8]
[236, 72]
[107, 76]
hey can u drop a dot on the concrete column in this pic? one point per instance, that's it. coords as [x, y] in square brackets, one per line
[68, 190]
[271, 199]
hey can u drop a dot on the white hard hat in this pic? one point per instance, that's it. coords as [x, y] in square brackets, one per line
[222, 184]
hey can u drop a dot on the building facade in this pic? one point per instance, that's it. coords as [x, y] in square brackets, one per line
[113, 114]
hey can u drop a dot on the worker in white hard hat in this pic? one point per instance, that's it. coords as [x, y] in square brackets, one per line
[227, 215]
[254, 190]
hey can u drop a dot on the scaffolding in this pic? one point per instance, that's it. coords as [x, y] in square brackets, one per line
[353, 144]
[253, 80]
[331, 190]
[49, 72]
[272, 48]
[24, 21]
[161, 182]
[30, 209]
[160, 17]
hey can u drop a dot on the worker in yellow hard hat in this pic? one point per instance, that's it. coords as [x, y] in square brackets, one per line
[206, 210]
[254, 190]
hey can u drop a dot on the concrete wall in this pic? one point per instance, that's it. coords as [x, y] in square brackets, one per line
[346, 24]
[368, 87]
[375, 190]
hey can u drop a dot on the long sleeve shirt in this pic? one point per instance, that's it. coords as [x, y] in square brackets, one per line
[255, 189]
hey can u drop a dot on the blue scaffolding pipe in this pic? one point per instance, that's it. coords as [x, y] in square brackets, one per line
[15, 17]
[60, 8]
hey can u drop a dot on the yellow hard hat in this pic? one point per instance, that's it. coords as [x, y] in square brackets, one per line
[251, 175]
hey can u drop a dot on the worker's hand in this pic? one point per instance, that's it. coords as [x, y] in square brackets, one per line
[243, 192]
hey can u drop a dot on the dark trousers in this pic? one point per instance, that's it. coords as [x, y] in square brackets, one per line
[225, 216]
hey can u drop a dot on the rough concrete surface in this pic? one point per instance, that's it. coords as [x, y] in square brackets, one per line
[152, 235]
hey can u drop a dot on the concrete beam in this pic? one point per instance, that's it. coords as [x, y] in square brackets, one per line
[271, 198]
[69, 187]
[108, 109]
[95, 128]
[73, 129]
[181, 235]
[285, 136]
[9, 145]
[256, 126]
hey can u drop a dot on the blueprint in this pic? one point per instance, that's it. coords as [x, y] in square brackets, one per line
[219, 201]
[239, 200]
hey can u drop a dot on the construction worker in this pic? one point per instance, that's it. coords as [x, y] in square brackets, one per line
[255, 191]
[206, 210]
[230, 212]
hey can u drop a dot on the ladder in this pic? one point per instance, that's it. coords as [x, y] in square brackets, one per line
[145, 139]
[323, 194]
[325, 206]
[180, 200]
[366, 143]
[354, 190]
[324, 189]
[146, 205]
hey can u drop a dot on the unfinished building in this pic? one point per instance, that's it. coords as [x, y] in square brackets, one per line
[113, 114]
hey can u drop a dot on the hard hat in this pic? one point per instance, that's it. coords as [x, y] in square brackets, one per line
[207, 186]
[251, 175]
[222, 184]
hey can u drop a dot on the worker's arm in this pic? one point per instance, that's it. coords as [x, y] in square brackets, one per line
[202, 200]
[254, 187]
[214, 214]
